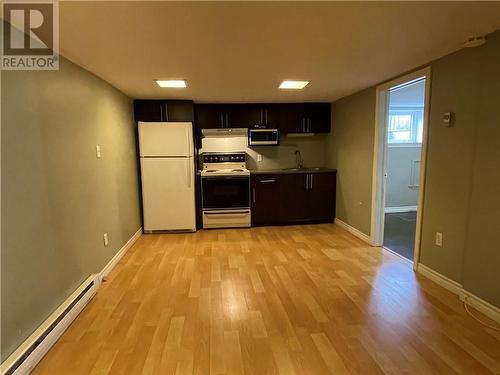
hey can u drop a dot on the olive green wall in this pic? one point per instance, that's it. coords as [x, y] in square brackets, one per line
[58, 199]
[454, 87]
[462, 198]
[481, 266]
[350, 151]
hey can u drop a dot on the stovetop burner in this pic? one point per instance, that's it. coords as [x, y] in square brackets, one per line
[225, 172]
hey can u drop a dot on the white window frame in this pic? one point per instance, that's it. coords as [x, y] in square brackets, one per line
[409, 109]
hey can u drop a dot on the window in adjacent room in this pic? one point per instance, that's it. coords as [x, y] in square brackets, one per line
[405, 125]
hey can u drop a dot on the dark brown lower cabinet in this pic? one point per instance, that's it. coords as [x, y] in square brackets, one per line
[266, 190]
[279, 199]
[321, 196]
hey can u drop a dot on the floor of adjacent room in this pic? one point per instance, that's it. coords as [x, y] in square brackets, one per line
[309, 299]
[399, 233]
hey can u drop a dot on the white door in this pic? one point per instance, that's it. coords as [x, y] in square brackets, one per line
[166, 138]
[168, 193]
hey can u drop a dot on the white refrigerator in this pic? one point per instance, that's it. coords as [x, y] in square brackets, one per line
[167, 174]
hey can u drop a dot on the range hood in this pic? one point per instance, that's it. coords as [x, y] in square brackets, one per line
[224, 132]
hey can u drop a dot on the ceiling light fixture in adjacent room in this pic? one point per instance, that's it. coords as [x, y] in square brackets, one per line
[293, 85]
[172, 83]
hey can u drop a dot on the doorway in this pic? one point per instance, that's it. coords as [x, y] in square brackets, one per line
[399, 163]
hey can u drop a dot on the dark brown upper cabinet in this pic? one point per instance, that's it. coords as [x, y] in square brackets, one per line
[164, 110]
[220, 116]
[262, 116]
[210, 116]
[288, 118]
[305, 118]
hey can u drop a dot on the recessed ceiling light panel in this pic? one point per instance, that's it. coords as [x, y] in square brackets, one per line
[293, 85]
[175, 83]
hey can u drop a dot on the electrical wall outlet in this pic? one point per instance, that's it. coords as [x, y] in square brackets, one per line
[439, 239]
[106, 241]
[98, 151]
[259, 157]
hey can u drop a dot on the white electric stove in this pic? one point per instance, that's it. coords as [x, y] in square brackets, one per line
[225, 184]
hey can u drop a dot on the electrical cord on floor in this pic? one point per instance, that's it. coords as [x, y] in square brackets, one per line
[466, 307]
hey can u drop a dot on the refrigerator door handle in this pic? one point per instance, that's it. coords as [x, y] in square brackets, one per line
[189, 172]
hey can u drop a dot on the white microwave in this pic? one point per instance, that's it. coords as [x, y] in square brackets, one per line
[263, 137]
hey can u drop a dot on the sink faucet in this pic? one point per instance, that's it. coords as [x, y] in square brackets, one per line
[298, 159]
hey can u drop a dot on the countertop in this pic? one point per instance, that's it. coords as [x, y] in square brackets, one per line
[292, 170]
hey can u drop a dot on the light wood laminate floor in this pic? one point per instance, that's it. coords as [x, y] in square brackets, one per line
[279, 300]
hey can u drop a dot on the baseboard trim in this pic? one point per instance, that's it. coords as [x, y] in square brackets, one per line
[399, 209]
[354, 231]
[472, 300]
[480, 305]
[25, 357]
[439, 279]
[119, 255]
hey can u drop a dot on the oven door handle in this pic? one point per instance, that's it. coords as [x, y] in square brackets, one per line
[226, 212]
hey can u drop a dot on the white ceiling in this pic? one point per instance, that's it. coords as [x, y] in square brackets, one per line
[240, 51]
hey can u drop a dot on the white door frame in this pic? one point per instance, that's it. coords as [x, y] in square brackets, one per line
[380, 156]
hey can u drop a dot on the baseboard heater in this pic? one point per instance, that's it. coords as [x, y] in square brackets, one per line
[26, 357]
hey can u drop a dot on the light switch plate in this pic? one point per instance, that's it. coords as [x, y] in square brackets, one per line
[439, 239]
[98, 151]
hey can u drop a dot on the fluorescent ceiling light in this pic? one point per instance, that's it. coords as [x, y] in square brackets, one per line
[177, 83]
[294, 85]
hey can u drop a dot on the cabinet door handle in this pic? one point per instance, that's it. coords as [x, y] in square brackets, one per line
[161, 113]
[311, 181]
[221, 120]
[166, 111]
[303, 125]
[261, 117]
[266, 116]
[267, 181]
[253, 195]
[307, 182]
[227, 121]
